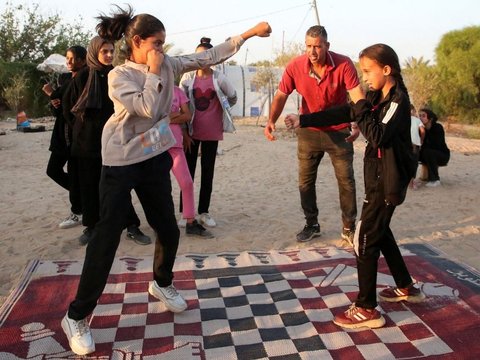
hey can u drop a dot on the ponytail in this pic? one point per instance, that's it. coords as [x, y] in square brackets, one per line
[114, 27]
[124, 24]
[401, 84]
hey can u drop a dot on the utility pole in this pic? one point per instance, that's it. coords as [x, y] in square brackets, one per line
[246, 54]
[314, 4]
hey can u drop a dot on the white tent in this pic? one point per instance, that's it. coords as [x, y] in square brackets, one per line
[252, 101]
[54, 63]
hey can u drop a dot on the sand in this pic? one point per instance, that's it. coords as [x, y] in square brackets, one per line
[255, 202]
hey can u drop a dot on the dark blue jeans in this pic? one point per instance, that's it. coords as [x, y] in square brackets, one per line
[151, 181]
[312, 146]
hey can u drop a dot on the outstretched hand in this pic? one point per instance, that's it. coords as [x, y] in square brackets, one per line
[262, 29]
[354, 133]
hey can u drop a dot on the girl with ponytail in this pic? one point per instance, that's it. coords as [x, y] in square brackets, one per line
[384, 120]
[135, 141]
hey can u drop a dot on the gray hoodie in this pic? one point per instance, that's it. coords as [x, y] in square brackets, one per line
[139, 127]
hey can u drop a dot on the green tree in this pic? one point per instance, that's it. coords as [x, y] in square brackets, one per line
[421, 80]
[28, 36]
[458, 62]
[14, 93]
[293, 49]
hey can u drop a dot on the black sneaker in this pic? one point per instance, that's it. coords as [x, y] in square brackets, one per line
[347, 235]
[195, 229]
[308, 233]
[86, 236]
[135, 234]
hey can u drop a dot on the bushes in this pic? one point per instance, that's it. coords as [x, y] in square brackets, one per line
[30, 98]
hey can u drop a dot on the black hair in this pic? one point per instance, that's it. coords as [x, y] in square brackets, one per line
[205, 43]
[124, 24]
[317, 31]
[79, 52]
[430, 115]
[384, 55]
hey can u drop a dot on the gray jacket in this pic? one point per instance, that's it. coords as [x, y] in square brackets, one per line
[139, 127]
[226, 94]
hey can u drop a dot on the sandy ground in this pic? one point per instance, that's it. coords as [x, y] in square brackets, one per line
[255, 202]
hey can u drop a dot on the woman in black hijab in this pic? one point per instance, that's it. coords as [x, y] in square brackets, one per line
[92, 110]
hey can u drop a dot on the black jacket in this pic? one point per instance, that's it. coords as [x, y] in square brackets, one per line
[87, 130]
[386, 127]
[60, 140]
[435, 140]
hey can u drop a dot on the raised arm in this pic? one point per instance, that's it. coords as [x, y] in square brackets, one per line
[219, 53]
[332, 116]
[262, 29]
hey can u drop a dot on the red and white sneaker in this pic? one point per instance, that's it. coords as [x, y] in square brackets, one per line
[411, 294]
[357, 317]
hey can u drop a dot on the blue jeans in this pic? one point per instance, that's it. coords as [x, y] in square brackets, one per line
[151, 181]
[312, 146]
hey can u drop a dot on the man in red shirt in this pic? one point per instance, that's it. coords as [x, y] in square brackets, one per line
[324, 79]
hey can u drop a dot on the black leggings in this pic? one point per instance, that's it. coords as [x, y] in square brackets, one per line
[68, 180]
[207, 162]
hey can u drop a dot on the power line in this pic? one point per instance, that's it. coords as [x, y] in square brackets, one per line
[237, 21]
[301, 24]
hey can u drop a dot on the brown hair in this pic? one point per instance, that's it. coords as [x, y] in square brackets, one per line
[384, 55]
[124, 24]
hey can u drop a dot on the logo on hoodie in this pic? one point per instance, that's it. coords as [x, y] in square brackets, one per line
[157, 139]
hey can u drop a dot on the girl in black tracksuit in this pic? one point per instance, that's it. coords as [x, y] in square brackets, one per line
[384, 120]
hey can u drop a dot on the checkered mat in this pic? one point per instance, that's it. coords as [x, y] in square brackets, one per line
[248, 305]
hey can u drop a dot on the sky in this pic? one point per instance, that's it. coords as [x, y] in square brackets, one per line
[413, 28]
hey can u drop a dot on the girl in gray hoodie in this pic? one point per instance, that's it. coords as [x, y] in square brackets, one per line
[134, 144]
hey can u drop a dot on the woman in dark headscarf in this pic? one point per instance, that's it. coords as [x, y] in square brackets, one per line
[92, 110]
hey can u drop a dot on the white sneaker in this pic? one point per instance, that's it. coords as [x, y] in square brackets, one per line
[207, 220]
[71, 221]
[182, 223]
[78, 335]
[169, 296]
[433, 183]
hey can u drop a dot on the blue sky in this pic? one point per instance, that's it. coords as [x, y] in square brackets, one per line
[412, 27]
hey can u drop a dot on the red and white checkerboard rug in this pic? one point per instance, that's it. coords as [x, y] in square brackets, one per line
[248, 305]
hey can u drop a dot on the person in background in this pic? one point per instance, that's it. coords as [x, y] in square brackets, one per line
[418, 135]
[135, 141]
[61, 140]
[434, 151]
[324, 79]
[92, 110]
[211, 95]
[384, 120]
[180, 115]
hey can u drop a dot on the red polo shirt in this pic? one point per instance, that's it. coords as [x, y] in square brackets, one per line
[340, 76]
